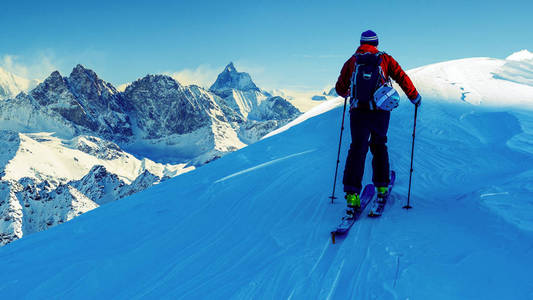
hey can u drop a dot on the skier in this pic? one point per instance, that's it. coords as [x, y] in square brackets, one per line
[369, 123]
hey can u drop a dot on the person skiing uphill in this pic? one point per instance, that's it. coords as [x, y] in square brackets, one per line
[366, 71]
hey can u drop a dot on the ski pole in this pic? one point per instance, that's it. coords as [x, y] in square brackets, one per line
[408, 206]
[339, 152]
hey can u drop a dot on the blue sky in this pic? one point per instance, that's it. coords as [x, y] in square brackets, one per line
[283, 44]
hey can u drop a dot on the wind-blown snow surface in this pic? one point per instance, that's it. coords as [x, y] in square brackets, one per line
[479, 81]
[255, 223]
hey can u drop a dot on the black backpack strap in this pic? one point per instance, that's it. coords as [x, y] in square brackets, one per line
[353, 100]
[385, 80]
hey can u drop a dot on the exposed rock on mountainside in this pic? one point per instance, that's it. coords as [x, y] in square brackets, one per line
[63, 156]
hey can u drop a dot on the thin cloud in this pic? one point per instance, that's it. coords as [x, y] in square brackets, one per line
[37, 68]
[203, 75]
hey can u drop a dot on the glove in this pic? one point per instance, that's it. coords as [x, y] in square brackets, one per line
[417, 101]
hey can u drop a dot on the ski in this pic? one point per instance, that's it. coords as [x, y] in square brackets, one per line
[378, 206]
[348, 220]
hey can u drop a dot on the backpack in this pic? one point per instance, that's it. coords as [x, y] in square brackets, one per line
[367, 78]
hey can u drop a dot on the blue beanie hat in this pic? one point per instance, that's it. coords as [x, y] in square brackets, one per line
[369, 37]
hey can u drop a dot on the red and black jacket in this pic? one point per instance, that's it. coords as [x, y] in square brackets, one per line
[390, 68]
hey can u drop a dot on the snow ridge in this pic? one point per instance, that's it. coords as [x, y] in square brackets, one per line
[521, 55]
[477, 81]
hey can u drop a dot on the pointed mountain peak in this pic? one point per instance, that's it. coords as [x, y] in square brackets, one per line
[230, 68]
[54, 79]
[152, 83]
[231, 79]
[79, 67]
[81, 71]
[160, 79]
[55, 75]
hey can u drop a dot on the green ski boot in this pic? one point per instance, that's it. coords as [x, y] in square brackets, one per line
[382, 192]
[353, 200]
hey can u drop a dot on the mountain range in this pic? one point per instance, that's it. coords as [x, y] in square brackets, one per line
[72, 142]
[155, 114]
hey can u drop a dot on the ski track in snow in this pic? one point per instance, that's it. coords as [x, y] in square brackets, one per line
[336, 280]
[262, 165]
[493, 194]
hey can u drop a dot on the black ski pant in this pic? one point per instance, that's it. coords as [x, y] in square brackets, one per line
[368, 128]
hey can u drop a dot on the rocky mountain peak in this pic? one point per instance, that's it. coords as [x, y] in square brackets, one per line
[83, 99]
[230, 68]
[52, 88]
[231, 79]
[55, 74]
[54, 77]
[162, 106]
[86, 84]
[152, 82]
[80, 69]
[80, 73]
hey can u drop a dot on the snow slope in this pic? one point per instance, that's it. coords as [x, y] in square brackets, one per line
[479, 81]
[45, 181]
[255, 223]
[42, 156]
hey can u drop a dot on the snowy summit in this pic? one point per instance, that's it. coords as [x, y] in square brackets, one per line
[521, 55]
[479, 81]
[231, 79]
[11, 85]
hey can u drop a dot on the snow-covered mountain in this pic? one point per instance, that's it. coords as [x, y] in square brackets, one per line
[45, 181]
[230, 79]
[256, 223]
[65, 136]
[256, 110]
[69, 106]
[11, 85]
[155, 115]
[186, 122]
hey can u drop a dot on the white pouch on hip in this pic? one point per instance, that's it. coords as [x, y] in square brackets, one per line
[386, 98]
